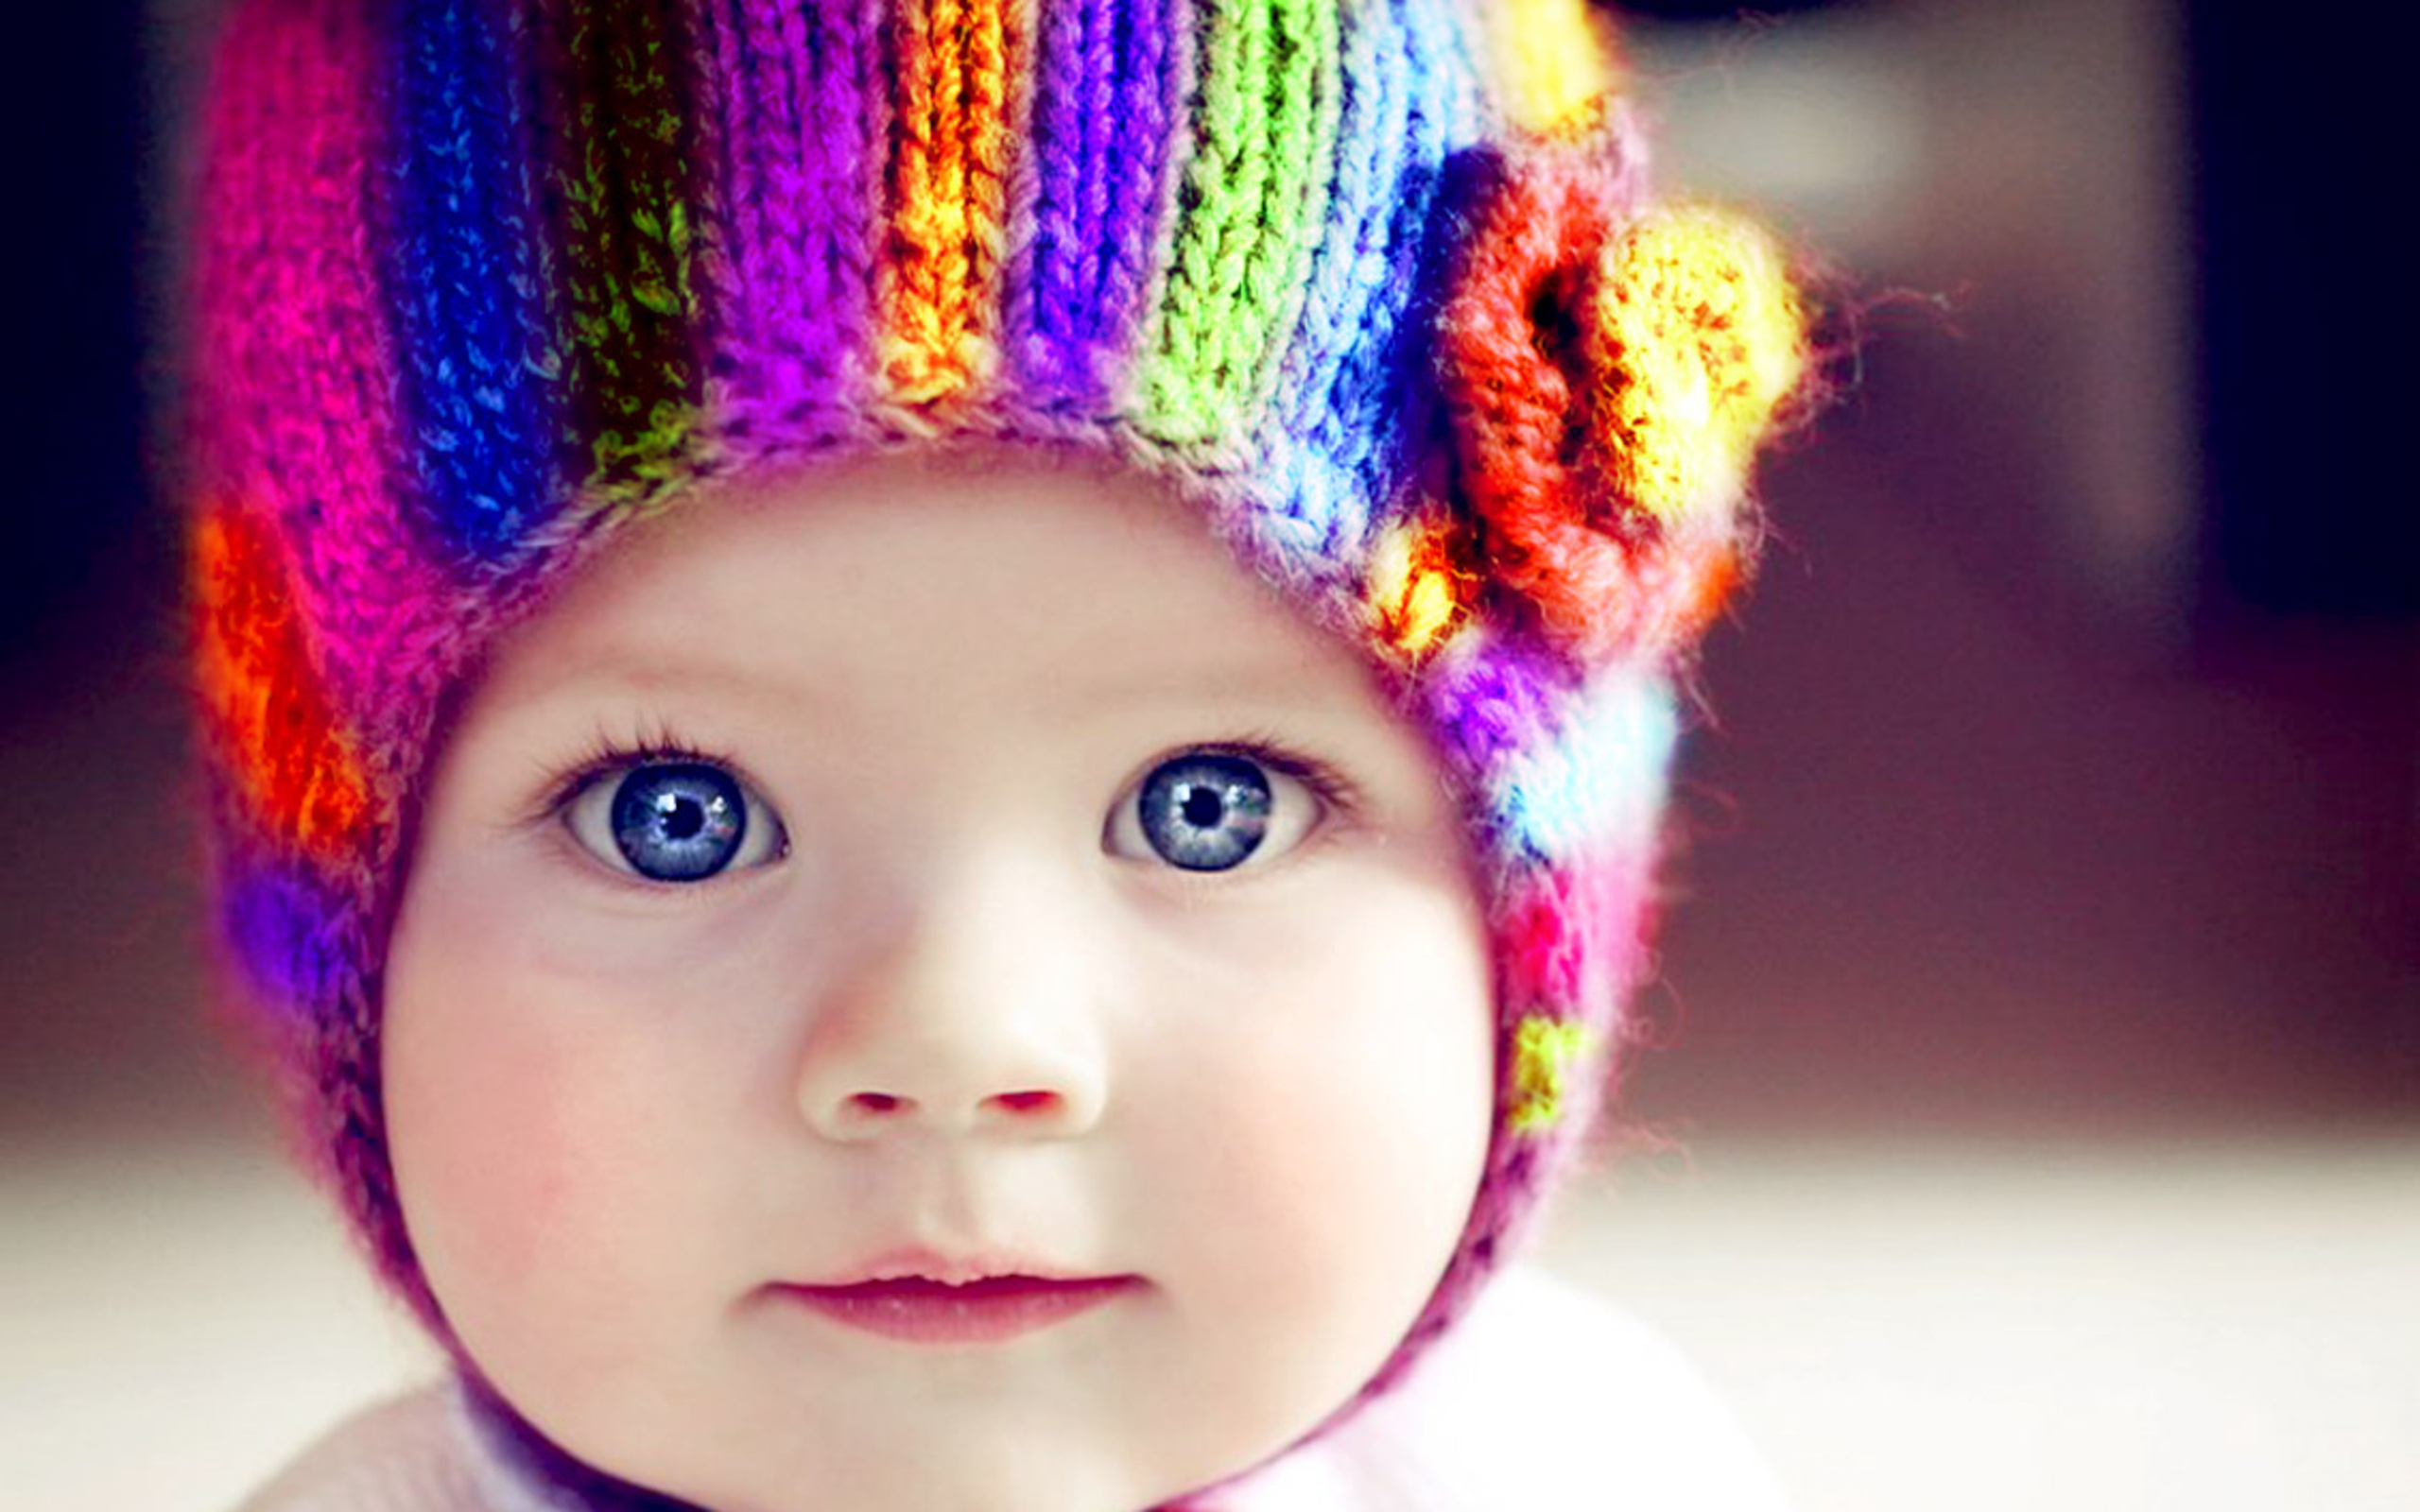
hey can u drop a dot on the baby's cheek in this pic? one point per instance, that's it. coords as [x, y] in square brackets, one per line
[487, 1162]
[1338, 1072]
[517, 1133]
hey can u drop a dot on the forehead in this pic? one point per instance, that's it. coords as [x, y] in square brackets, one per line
[1059, 589]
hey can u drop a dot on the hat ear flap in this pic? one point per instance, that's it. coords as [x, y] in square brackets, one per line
[1607, 376]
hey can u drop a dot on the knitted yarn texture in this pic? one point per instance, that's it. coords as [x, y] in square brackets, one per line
[1377, 284]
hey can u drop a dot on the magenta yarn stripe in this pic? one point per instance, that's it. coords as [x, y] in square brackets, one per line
[796, 169]
[618, 72]
[288, 304]
[1106, 103]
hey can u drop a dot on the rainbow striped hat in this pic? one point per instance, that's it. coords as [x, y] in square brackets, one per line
[1377, 282]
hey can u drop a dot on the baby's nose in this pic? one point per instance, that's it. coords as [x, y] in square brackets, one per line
[974, 1014]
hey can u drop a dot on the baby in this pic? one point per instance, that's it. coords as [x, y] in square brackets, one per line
[937, 731]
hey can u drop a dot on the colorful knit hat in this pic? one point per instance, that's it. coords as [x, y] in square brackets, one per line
[477, 284]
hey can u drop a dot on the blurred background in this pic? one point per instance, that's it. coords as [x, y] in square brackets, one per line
[2034, 1111]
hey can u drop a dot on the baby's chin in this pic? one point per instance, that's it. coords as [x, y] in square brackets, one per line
[950, 1460]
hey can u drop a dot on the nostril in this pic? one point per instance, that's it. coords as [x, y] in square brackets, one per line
[869, 1114]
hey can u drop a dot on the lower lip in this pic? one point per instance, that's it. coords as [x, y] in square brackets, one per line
[985, 1312]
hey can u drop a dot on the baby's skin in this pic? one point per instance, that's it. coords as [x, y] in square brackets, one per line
[983, 1004]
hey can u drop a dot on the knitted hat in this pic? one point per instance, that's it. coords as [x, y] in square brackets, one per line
[1377, 284]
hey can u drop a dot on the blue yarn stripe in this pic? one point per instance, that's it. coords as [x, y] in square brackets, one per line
[1345, 399]
[1371, 404]
[1601, 782]
[479, 359]
[1104, 122]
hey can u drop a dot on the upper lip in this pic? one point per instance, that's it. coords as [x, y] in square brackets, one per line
[949, 1269]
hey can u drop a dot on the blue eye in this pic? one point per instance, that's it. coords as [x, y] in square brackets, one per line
[1208, 811]
[674, 821]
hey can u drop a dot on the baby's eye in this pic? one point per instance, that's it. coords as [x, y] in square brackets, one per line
[1210, 810]
[674, 821]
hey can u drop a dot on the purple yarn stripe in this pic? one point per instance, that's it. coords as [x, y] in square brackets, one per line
[288, 930]
[1103, 128]
[1509, 697]
[799, 116]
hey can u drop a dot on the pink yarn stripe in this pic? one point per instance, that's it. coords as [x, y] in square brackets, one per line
[1566, 944]
[292, 341]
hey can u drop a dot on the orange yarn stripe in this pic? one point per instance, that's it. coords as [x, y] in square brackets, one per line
[951, 139]
[262, 697]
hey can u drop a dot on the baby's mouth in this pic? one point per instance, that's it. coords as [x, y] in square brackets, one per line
[982, 1309]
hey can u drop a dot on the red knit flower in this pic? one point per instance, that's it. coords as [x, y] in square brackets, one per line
[1609, 370]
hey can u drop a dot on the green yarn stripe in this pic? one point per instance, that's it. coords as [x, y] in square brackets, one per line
[627, 233]
[1264, 123]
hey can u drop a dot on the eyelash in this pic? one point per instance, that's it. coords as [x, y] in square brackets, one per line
[1335, 792]
[607, 755]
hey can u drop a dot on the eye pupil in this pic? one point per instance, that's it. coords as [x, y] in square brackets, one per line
[683, 816]
[1202, 806]
[1205, 812]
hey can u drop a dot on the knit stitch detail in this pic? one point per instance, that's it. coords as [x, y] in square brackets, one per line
[482, 362]
[264, 701]
[1607, 375]
[1546, 1055]
[1264, 112]
[293, 412]
[798, 114]
[1106, 89]
[1424, 584]
[955, 62]
[622, 171]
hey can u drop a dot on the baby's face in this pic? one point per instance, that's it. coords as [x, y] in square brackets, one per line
[926, 988]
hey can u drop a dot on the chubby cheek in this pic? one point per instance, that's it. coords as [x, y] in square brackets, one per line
[1328, 1103]
[530, 1125]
